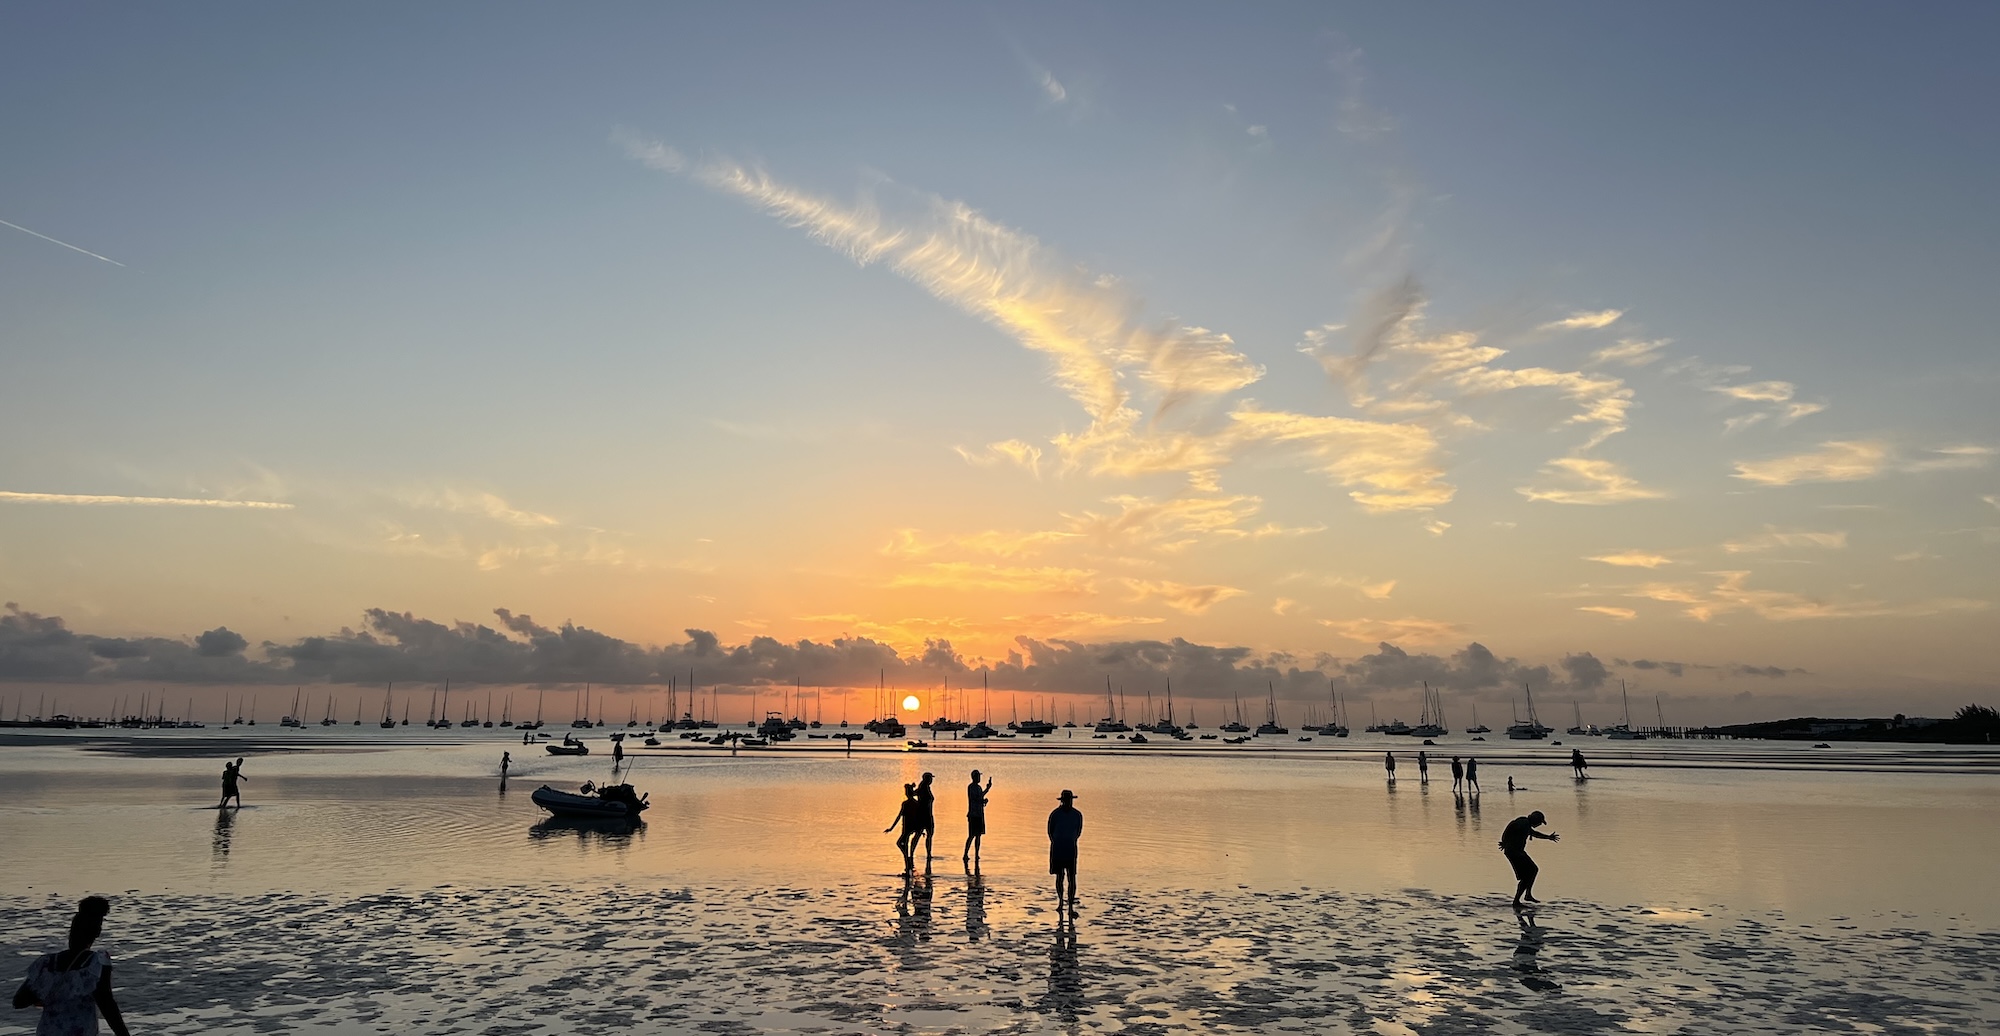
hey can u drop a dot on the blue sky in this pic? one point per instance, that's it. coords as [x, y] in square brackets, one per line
[400, 269]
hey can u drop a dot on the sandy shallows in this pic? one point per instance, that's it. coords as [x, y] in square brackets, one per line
[956, 955]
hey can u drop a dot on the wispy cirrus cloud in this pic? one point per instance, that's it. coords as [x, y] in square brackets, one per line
[1773, 538]
[1630, 352]
[105, 500]
[1632, 559]
[1839, 461]
[1610, 612]
[1587, 480]
[1190, 600]
[1408, 629]
[966, 575]
[1732, 593]
[1148, 388]
[1583, 320]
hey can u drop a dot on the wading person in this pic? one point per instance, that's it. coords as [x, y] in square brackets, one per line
[1577, 763]
[1423, 768]
[1457, 775]
[926, 817]
[231, 773]
[975, 817]
[906, 818]
[74, 986]
[506, 760]
[1514, 843]
[1472, 774]
[1065, 828]
[1389, 764]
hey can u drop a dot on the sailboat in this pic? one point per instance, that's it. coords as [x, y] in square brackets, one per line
[1532, 730]
[292, 719]
[1624, 731]
[328, 721]
[1111, 723]
[582, 719]
[1236, 726]
[1270, 724]
[1477, 727]
[387, 719]
[1431, 723]
[1579, 730]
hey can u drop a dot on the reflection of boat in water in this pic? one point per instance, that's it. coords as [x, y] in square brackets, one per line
[608, 828]
[611, 800]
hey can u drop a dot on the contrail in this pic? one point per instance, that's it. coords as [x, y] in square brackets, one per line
[135, 501]
[65, 244]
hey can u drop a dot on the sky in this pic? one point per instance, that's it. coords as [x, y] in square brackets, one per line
[1321, 348]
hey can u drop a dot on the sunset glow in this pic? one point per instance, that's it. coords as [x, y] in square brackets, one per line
[911, 704]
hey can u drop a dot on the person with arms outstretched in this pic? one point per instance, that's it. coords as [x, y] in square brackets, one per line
[231, 773]
[1514, 843]
[975, 817]
[1065, 829]
[73, 987]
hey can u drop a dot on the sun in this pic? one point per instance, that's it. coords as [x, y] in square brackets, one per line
[911, 704]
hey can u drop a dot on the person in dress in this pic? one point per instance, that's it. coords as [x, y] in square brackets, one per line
[73, 987]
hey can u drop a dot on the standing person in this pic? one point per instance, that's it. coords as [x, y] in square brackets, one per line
[617, 753]
[926, 816]
[975, 817]
[906, 818]
[1514, 843]
[1472, 774]
[506, 760]
[1389, 764]
[1457, 776]
[74, 986]
[231, 773]
[1065, 828]
[1577, 763]
[1423, 767]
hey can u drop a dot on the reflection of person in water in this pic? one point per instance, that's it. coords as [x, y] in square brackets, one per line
[1514, 843]
[906, 818]
[913, 909]
[926, 817]
[1577, 763]
[231, 773]
[975, 817]
[1527, 955]
[74, 986]
[975, 906]
[1457, 775]
[1472, 774]
[225, 824]
[1065, 996]
[1065, 828]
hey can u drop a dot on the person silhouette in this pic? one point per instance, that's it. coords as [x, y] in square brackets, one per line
[1514, 843]
[975, 816]
[906, 818]
[926, 816]
[1457, 775]
[1472, 774]
[1577, 763]
[617, 753]
[506, 760]
[73, 987]
[1065, 828]
[1389, 764]
[231, 773]
[1510, 784]
[1423, 767]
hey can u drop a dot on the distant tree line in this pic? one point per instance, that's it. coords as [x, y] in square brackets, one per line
[1971, 725]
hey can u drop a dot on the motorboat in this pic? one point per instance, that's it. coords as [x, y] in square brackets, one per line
[611, 800]
[568, 746]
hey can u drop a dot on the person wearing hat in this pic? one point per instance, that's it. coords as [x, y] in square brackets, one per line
[1065, 827]
[926, 816]
[975, 817]
[1514, 843]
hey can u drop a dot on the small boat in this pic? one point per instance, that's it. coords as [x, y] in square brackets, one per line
[568, 748]
[612, 800]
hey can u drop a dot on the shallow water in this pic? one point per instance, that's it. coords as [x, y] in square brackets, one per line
[398, 887]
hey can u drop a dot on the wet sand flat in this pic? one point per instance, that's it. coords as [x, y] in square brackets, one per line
[952, 955]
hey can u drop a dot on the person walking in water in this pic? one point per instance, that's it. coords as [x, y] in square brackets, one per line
[1457, 775]
[506, 760]
[1577, 763]
[926, 817]
[1423, 767]
[975, 817]
[1472, 774]
[231, 773]
[1389, 764]
[73, 987]
[1514, 843]
[617, 753]
[906, 818]
[1065, 828]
